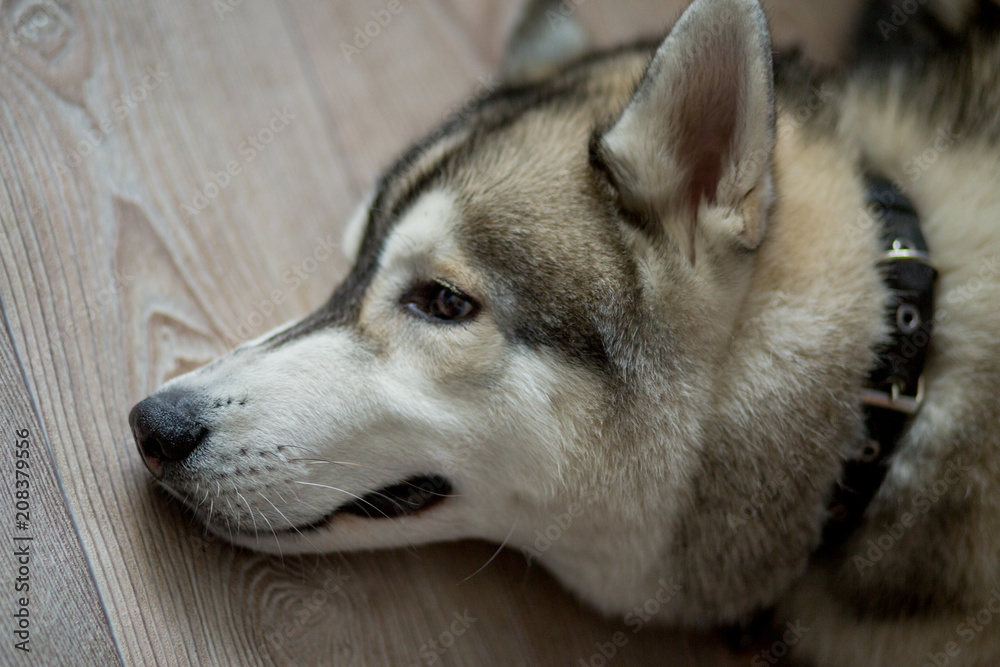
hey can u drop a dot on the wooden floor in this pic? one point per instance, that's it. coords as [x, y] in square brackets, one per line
[164, 165]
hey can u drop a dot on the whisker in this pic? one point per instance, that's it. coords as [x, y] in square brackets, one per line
[393, 520]
[277, 542]
[235, 514]
[340, 463]
[251, 512]
[290, 524]
[298, 499]
[171, 496]
[392, 500]
[309, 505]
[495, 554]
[361, 465]
[202, 502]
[325, 486]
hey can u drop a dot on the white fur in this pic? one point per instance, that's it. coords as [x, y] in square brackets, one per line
[384, 419]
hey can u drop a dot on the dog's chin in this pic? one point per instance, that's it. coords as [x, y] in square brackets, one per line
[408, 497]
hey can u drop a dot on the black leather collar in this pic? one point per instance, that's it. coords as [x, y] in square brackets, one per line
[894, 389]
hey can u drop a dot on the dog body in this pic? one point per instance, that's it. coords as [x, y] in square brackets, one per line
[643, 292]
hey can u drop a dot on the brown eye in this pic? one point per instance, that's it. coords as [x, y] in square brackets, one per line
[440, 301]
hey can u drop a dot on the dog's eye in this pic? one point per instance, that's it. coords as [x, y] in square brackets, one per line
[440, 301]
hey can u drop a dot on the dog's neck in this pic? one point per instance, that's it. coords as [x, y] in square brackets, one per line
[894, 391]
[803, 346]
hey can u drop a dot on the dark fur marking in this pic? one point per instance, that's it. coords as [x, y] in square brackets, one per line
[501, 109]
[643, 220]
[344, 306]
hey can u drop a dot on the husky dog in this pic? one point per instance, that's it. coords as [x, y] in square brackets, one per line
[642, 289]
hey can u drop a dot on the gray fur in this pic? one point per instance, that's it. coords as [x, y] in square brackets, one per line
[546, 36]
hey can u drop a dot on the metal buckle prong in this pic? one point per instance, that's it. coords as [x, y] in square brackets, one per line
[895, 399]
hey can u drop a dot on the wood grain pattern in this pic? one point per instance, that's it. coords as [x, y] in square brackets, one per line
[163, 166]
[62, 599]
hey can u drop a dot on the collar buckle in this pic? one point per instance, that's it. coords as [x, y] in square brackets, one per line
[895, 399]
[902, 252]
[894, 391]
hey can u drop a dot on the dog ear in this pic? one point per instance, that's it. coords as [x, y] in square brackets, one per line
[692, 149]
[545, 37]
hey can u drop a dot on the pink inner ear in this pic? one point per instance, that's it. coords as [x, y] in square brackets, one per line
[707, 129]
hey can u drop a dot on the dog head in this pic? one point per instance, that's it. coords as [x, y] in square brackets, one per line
[535, 344]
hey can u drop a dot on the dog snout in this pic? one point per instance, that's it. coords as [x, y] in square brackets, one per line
[167, 428]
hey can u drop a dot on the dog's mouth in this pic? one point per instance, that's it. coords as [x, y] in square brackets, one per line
[406, 498]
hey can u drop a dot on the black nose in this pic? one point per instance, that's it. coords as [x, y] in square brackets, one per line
[167, 428]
